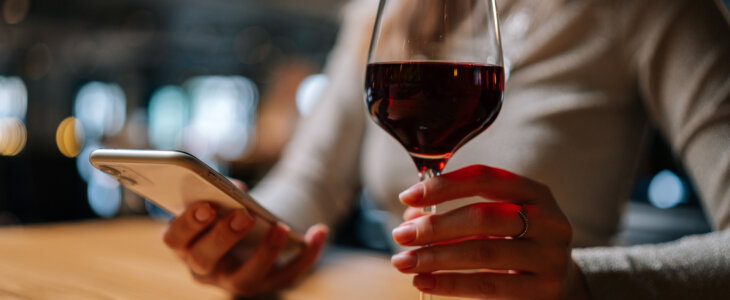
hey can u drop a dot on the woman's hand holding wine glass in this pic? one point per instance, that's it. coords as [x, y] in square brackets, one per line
[477, 237]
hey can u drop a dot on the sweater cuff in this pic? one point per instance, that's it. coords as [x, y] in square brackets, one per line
[694, 267]
[609, 274]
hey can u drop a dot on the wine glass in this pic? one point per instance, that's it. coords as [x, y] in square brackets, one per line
[435, 76]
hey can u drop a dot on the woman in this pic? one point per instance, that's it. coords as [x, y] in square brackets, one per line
[588, 78]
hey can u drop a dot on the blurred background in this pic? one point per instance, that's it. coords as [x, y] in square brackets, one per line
[225, 80]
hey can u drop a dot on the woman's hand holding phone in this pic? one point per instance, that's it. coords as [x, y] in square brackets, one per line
[206, 241]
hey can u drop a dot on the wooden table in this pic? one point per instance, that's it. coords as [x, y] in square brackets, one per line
[125, 259]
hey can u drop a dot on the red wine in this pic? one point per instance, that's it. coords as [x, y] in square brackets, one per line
[433, 108]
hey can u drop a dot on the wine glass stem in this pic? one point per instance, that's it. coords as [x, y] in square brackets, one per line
[424, 296]
[424, 175]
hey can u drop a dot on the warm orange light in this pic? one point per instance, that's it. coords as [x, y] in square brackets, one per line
[13, 136]
[70, 137]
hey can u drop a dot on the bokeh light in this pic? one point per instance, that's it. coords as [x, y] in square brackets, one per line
[105, 194]
[169, 113]
[223, 110]
[13, 107]
[13, 98]
[310, 91]
[101, 108]
[13, 136]
[70, 137]
[667, 190]
[83, 166]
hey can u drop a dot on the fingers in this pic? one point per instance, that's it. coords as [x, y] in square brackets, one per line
[205, 253]
[478, 219]
[246, 279]
[183, 229]
[477, 237]
[206, 245]
[488, 285]
[476, 180]
[494, 254]
[314, 239]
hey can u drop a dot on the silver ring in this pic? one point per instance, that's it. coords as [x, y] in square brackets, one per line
[525, 222]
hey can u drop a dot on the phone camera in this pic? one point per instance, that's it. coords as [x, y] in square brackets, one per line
[109, 170]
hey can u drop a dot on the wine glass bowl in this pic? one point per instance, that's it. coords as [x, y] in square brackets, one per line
[434, 78]
[433, 108]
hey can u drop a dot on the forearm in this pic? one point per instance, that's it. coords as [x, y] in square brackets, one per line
[696, 267]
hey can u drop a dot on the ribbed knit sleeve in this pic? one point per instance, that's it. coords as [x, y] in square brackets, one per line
[695, 267]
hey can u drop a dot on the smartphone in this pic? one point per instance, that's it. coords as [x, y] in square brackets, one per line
[174, 179]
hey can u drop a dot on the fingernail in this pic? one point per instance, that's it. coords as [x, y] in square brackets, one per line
[405, 233]
[280, 235]
[412, 194]
[240, 221]
[404, 261]
[203, 213]
[424, 282]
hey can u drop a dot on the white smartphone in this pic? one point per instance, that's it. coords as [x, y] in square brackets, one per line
[174, 179]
